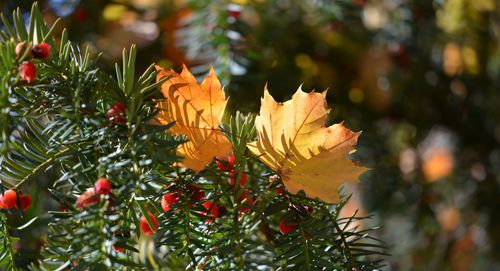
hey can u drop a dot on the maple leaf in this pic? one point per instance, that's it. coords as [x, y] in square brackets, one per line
[197, 110]
[294, 142]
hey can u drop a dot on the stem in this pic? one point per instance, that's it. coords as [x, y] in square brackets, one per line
[186, 232]
[41, 167]
[274, 179]
[236, 219]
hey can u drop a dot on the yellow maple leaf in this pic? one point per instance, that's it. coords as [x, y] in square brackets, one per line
[294, 142]
[197, 110]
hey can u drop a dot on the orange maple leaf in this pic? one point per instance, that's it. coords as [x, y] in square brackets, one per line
[197, 110]
[293, 141]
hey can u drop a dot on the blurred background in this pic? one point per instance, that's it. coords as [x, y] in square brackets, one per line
[421, 78]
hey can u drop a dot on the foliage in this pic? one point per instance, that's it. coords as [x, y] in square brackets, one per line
[60, 127]
[420, 78]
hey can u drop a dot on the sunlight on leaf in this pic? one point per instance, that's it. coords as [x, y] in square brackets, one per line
[197, 110]
[293, 141]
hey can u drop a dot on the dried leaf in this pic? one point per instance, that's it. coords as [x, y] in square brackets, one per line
[197, 110]
[293, 141]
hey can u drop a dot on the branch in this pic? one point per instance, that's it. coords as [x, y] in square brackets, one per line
[41, 167]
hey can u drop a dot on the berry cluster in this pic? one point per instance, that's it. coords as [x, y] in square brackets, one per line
[27, 70]
[10, 199]
[103, 187]
[91, 195]
[170, 199]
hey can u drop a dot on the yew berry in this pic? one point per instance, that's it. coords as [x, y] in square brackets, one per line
[10, 199]
[169, 199]
[228, 164]
[10, 195]
[118, 249]
[195, 192]
[117, 113]
[286, 228]
[145, 226]
[88, 197]
[119, 106]
[234, 14]
[231, 159]
[280, 191]
[245, 196]
[40, 244]
[243, 178]
[212, 210]
[81, 15]
[2, 204]
[25, 201]
[41, 50]
[103, 186]
[222, 166]
[27, 71]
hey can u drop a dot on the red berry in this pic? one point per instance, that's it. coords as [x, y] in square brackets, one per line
[10, 199]
[169, 199]
[81, 15]
[25, 202]
[41, 50]
[103, 186]
[222, 166]
[40, 244]
[234, 14]
[249, 201]
[234, 11]
[212, 208]
[228, 164]
[243, 179]
[286, 228]
[280, 191]
[359, 3]
[27, 71]
[145, 226]
[119, 106]
[196, 193]
[118, 249]
[88, 197]
[2, 204]
[117, 113]
[231, 159]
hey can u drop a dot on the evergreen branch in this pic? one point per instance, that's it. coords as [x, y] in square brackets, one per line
[41, 167]
[7, 252]
[345, 244]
